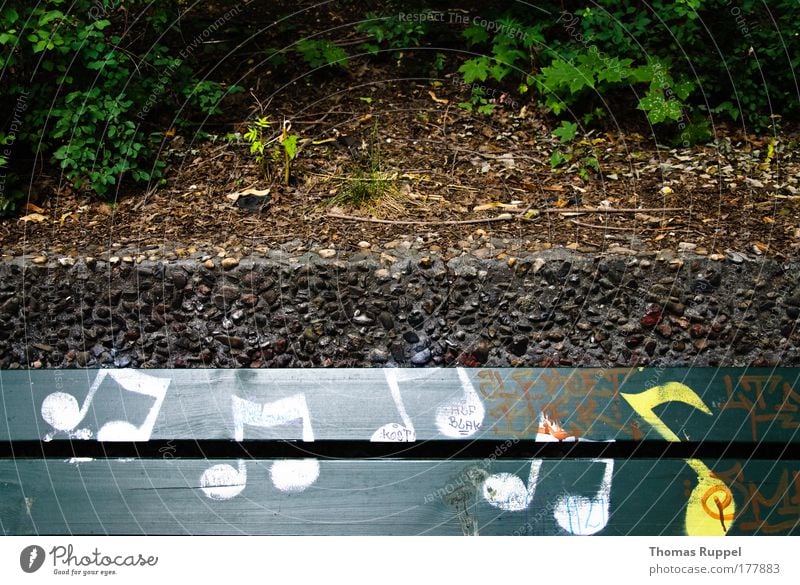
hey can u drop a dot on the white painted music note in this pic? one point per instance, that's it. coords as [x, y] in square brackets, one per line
[61, 411]
[584, 516]
[394, 432]
[462, 417]
[507, 491]
[223, 481]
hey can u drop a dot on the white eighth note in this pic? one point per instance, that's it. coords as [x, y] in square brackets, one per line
[394, 432]
[60, 410]
[507, 492]
[583, 516]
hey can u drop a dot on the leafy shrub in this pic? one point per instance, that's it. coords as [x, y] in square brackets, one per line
[94, 86]
[510, 50]
[736, 54]
[392, 33]
[320, 53]
[680, 62]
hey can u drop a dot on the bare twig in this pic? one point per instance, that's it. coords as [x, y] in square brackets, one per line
[610, 209]
[503, 217]
[602, 227]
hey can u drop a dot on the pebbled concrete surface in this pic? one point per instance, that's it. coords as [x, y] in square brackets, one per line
[551, 308]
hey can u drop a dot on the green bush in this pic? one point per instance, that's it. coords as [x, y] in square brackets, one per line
[321, 53]
[96, 90]
[571, 78]
[739, 57]
[682, 63]
[392, 33]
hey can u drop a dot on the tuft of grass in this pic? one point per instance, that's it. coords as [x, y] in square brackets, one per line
[365, 188]
[368, 185]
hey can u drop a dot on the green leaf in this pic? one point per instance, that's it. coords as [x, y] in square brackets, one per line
[555, 105]
[615, 70]
[508, 55]
[659, 109]
[335, 55]
[475, 69]
[566, 132]
[728, 108]
[642, 74]
[499, 71]
[591, 60]
[50, 16]
[475, 34]
[290, 145]
[557, 76]
[370, 48]
[562, 74]
[683, 89]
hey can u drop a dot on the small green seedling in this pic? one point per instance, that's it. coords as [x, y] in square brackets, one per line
[267, 151]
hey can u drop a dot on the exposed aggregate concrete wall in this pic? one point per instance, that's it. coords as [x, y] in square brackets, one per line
[555, 308]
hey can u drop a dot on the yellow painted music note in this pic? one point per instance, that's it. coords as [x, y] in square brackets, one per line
[711, 507]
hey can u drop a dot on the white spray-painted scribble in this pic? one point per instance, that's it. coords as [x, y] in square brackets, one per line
[464, 416]
[223, 481]
[61, 411]
[584, 516]
[508, 492]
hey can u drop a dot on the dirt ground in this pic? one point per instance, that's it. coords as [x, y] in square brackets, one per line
[452, 177]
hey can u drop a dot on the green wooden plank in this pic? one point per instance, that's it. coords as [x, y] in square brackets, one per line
[510, 497]
[697, 404]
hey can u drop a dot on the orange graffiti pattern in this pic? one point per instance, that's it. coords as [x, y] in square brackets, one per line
[767, 399]
[759, 512]
[517, 401]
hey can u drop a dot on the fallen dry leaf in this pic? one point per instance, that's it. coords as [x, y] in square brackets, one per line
[33, 207]
[255, 192]
[494, 205]
[34, 217]
[438, 100]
